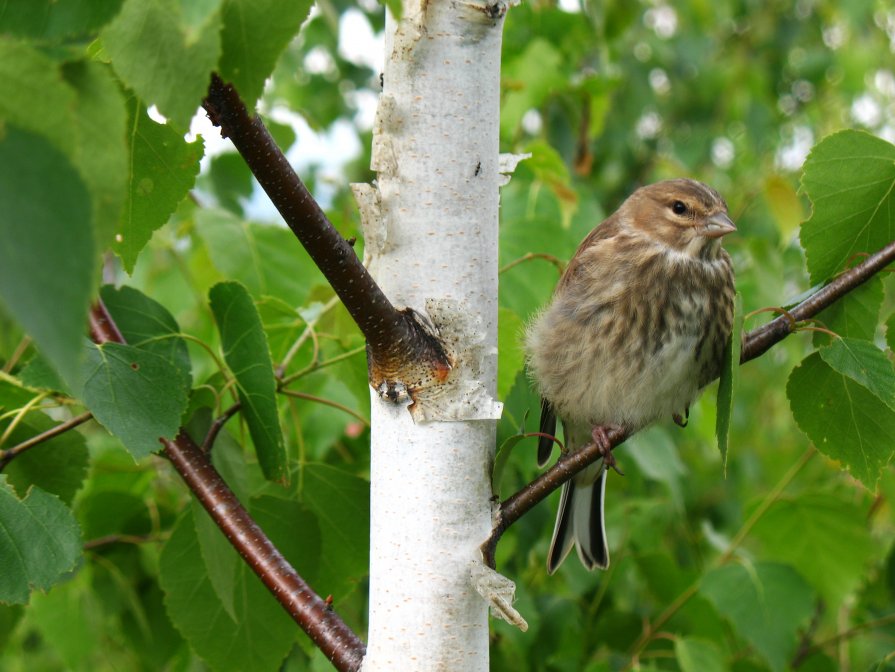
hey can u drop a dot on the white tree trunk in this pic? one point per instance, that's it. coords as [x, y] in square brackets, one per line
[431, 243]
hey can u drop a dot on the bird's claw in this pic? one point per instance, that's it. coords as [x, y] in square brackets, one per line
[681, 421]
[601, 439]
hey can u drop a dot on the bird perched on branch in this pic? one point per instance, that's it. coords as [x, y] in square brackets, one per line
[637, 326]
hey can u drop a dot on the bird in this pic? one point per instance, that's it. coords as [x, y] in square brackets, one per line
[636, 327]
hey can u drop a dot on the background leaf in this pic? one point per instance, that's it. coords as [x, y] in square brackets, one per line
[154, 43]
[844, 419]
[146, 324]
[766, 603]
[247, 355]
[849, 178]
[695, 655]
[163, 168]
[39, 542]
[341, 503]
[53, 234]
[865, 364]
[263, 633]
[267, 259]
[138, 396]
[255, 33]
[57, 466]
[824, 536]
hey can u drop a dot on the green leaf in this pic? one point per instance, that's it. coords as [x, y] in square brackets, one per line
[34, 96]
[137, 395]
[267, 259]
[767, 603]
[100, 119]
[164, 55]
[510, 357]
[262, 634]
[146, 324]
[865, 364]
[221, 563]
[283, 134]
[341, 503]
[849, 177]
[658, 457]
[396, 7]
[550, 168]
[69, 618]
[48, 239]
[529, 78]
[38, 374]
[824, 537]
[890, 332]
[730, 374]
[54, 19]
[247, 355]
[698, 655]
[842, 418]
[255, 33]
[231, 181]
[57, 466]
[39, 542]
[855, 315]
[163, 169]
[784, 204]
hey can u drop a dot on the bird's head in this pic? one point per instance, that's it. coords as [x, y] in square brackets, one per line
[687, 216]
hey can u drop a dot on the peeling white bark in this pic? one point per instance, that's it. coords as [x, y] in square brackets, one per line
[431, 229]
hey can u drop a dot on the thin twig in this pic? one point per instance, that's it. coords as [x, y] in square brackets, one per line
[6, 456]
[124, 539]
[844, 635]
[560, 266]
[18, 414]
[320, 365]
[218, 425]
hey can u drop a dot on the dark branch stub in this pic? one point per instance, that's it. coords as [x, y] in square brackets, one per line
[409, 364]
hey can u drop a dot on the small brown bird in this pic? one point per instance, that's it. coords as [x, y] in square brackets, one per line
[637, 326]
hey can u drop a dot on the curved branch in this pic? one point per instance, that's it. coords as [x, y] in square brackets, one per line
[394, 337]
[755, 343]
[325, 628]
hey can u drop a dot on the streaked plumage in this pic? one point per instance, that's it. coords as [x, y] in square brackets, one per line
[637, 326]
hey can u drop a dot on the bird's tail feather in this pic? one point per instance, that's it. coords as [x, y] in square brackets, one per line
[580, 522]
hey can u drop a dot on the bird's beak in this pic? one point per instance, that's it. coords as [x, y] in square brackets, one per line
[718, 225]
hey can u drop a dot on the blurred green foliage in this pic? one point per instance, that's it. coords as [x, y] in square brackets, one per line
[787, 563]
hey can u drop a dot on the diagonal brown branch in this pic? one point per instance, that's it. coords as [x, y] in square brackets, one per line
[395, 338]
[755, 343]
[325, 628]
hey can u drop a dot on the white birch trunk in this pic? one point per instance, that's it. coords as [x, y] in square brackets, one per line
[431, 243]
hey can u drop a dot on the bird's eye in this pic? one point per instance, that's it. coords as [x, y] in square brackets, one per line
[679, 207]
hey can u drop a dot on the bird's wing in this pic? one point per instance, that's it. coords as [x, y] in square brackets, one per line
[547, 426]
